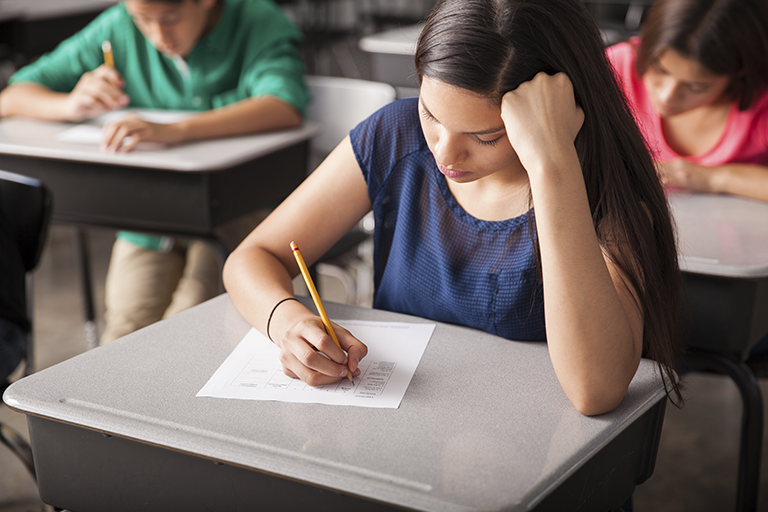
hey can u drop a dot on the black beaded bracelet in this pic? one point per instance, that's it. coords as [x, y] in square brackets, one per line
[269, 320]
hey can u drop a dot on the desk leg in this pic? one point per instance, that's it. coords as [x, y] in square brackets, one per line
[751, 423]
[19, 447]
[83, 259]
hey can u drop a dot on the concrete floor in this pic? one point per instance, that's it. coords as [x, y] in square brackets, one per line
[695, 469]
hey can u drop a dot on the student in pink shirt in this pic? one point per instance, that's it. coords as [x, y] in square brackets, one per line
[697, 81]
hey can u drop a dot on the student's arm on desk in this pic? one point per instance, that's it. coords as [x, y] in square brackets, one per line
[258, 274]
[593, 320]
[97, 91]
[746, 180]
[251, 115]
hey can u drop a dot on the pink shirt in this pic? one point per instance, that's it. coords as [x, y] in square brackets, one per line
[744, 140]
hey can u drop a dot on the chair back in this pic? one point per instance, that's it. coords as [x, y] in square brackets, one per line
[339, 104]
[25, 212]
[25, 207]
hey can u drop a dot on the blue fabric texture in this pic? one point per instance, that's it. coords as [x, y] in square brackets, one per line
[431, 258]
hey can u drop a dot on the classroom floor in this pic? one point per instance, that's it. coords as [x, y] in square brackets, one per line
[695, 468]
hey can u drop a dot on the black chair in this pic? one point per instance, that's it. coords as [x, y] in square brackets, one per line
[25, 213]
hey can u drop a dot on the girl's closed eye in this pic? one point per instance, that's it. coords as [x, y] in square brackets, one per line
[425, 113]
[656, 68]
[488, 142]
[698, 88]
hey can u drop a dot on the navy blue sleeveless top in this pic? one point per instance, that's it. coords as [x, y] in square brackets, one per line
[431, 258]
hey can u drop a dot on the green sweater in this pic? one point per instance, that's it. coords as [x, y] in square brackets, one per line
[251, 52]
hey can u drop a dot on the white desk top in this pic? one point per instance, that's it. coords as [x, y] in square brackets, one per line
[484, 424]
[402, 40]
[398, 41]
[29, 10]
[28, 137]
[721, 235]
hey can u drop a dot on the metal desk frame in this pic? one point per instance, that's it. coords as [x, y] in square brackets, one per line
[724, 257]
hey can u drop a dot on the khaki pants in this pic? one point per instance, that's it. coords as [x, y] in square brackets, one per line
[144, 286]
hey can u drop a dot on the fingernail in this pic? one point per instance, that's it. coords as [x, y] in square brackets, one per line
[343, 372]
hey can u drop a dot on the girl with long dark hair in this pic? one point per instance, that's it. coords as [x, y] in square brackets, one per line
[515, 195]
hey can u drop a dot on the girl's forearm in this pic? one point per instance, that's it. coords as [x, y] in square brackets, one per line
[594, 330]
[747, 180]
[256, 281]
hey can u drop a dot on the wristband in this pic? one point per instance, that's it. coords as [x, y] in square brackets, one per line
[269, 320]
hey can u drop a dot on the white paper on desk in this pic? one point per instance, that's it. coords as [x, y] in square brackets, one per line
[253, 371]
[91, 131]
[81, 134]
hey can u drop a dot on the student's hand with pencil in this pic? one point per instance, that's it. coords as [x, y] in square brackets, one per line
[307, 351]
[124, 134]
[97, 91]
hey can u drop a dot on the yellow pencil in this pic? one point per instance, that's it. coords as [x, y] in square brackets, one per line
[106, 48]
[316, 298]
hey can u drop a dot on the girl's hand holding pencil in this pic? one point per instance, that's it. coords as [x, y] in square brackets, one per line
[313, 348]
[309, 353]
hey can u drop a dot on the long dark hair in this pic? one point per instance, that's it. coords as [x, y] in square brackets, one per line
[490, 47]
[727, 37]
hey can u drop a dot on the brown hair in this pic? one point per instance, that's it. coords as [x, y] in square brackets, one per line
[492, 46]
[727, 37]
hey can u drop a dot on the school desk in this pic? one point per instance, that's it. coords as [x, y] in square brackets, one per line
[391, 55]
[33, 27]
[187, 190]
[484, 425]
[723, 247]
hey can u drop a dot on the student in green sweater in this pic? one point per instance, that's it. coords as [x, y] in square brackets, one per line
[234, 61]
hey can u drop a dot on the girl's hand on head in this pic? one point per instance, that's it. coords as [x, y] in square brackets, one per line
[307, 352]
[97, 91]
[123, 135]
[682, 173]
[541, 118]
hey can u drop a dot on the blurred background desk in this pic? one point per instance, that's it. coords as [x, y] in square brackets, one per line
[391, 55]
[723, 246]
[120, 425]
[618, 19]
[391, 52]
[29, 28]
[188, 190]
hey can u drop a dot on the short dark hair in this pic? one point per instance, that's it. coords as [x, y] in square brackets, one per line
[490, 47]
[727, 37]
